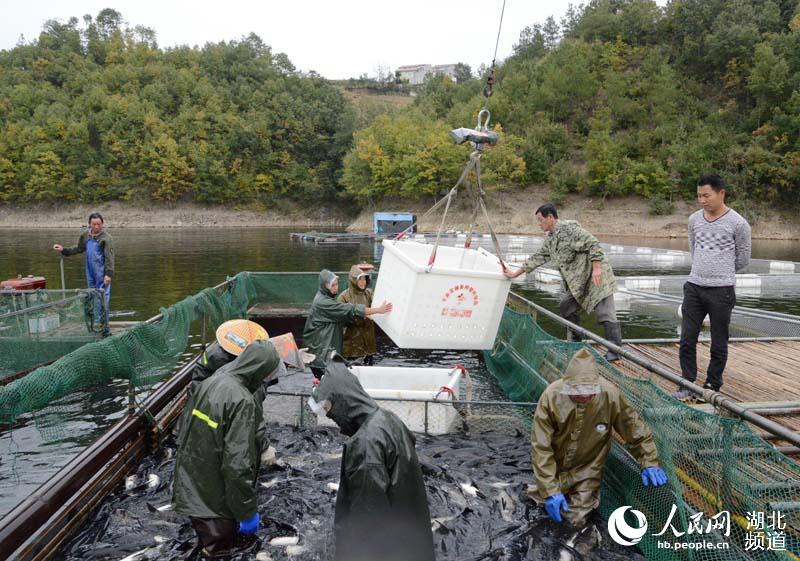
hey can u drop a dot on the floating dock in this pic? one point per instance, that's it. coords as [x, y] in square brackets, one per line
[332, 237]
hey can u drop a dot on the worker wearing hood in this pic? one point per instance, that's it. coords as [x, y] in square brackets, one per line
[324, 329]
[381, 506]
[359, 335]
[232, 337]
[219, 451]
[571, 438]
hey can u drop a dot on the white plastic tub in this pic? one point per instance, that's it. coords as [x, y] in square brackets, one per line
[413, 386]
[455, 304]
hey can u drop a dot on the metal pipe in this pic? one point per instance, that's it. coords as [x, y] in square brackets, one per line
[405, 399]
[63, 281]
[787, 506]
[38, 307]
[29, 515]
[748, 451]
[769, 487]
[714, 398]
[774, 411]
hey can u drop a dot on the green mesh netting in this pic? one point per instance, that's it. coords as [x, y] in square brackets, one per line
[37, 327]
[713, 463]
[145, 353]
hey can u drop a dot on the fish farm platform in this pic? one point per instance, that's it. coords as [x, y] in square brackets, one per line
[763, 376]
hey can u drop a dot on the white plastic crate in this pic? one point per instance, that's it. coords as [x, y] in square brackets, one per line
[455, 304]
[413, 386]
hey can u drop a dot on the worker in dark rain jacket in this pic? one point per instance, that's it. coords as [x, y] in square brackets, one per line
[327, 318]
[219, 451]
[381, 506]
[359, 335]
[232, 338]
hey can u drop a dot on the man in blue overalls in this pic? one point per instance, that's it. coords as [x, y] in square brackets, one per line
[97, 245]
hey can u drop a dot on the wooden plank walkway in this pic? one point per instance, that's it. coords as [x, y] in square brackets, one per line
[756, 371]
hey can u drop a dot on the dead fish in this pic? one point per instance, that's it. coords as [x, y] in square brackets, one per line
[263, 556]
[146, 554]
[507, 505]
[469, 489]
[165, 513]
[331, 457]
[286, 540]
[582, 543]
[293, 550]
[269, 457]
[153, 481]
[277, 480]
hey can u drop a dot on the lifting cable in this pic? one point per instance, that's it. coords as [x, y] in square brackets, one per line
[479, 137]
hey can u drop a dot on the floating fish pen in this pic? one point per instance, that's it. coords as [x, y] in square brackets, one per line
[717, 458]
[332, 238]
[39, 326]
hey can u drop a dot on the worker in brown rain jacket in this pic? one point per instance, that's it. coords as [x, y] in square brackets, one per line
[571, 438]
[359, 335]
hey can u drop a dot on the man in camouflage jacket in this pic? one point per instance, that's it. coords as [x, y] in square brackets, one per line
[589, 282]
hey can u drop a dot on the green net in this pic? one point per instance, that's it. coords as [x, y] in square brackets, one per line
[37, 327]
[715, 464]
[145, 353]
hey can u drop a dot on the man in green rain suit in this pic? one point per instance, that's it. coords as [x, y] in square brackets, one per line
[324, 329]
[589, 282]
[381, 506]
[359, 336]
[571, 438]
[219, 451]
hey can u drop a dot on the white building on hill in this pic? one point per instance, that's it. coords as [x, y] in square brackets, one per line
[415, 73]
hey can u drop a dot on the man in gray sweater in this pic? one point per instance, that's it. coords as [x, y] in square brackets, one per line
[719, 241]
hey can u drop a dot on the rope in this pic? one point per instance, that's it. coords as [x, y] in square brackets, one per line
[479, 205]
[487, 90]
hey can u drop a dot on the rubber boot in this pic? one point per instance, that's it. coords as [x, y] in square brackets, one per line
[573, 336]
[613, 333]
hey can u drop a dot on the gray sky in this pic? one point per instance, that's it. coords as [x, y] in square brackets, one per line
[338, 39]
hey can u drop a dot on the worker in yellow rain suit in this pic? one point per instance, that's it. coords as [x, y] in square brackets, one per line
[359, 335]
[571, 438]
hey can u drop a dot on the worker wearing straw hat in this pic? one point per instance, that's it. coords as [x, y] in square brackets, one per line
[219, 448]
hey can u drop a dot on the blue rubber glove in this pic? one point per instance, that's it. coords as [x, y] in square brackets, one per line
[554, 504]
[250, 525]
[654, 476]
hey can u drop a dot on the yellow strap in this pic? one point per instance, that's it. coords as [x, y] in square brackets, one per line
[203, 417]
[205, 359]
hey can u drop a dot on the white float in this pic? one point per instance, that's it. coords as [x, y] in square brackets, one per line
[781, 267]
